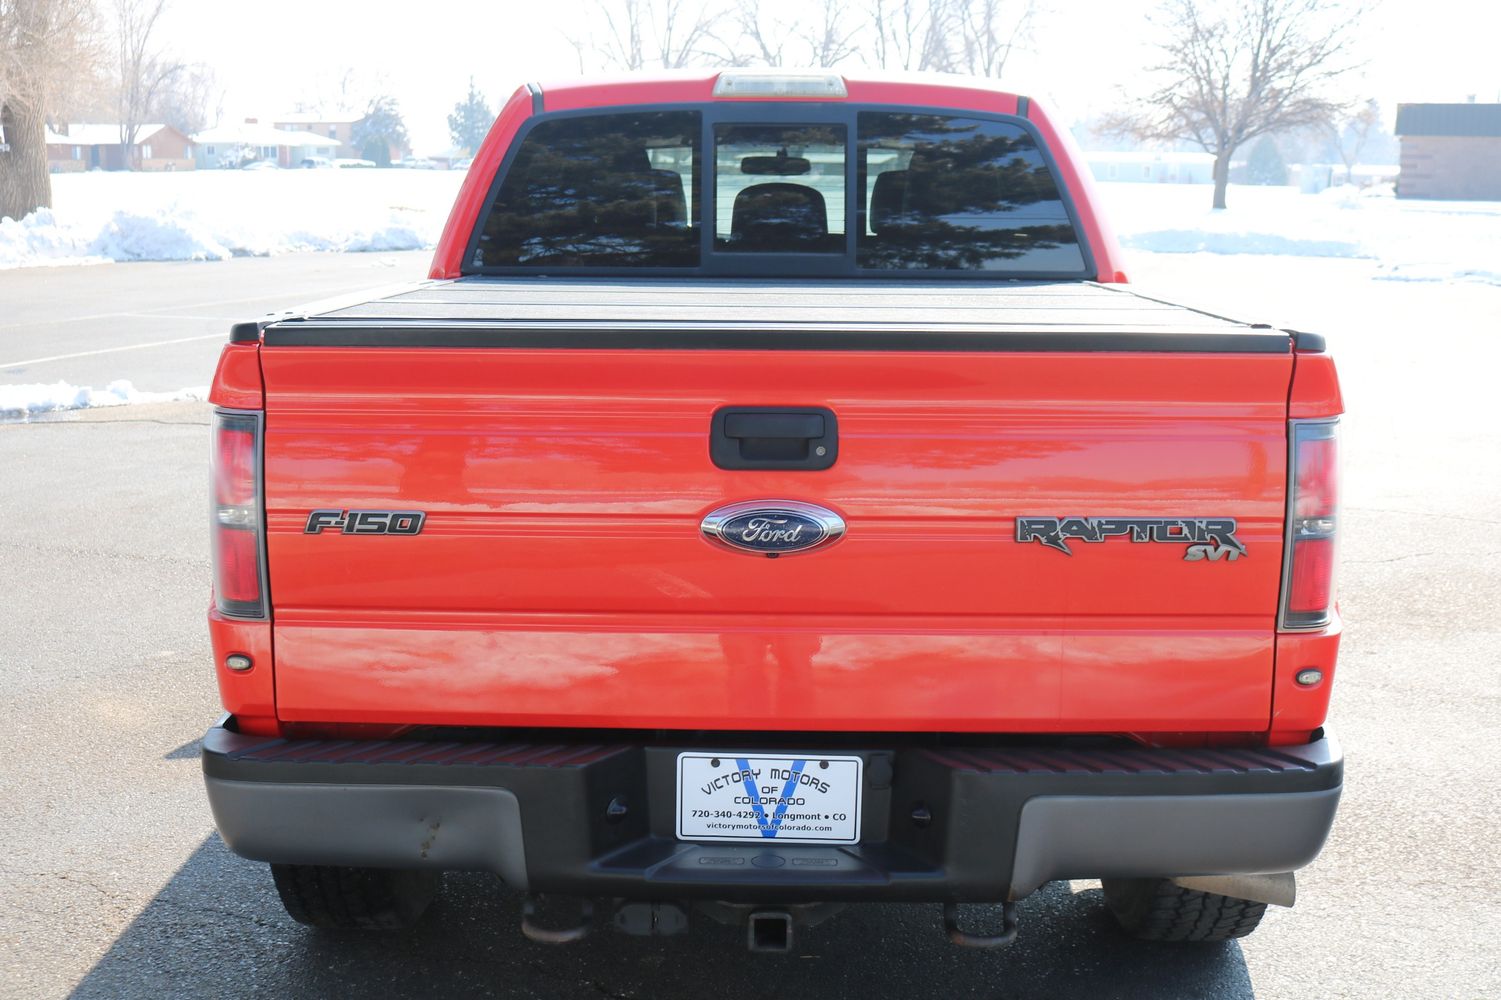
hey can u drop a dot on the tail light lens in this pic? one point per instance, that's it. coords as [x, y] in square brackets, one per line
[1312, 522]
[237, 515]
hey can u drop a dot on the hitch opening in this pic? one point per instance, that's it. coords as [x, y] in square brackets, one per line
[547, 935]
[769, 930]
[968, 939]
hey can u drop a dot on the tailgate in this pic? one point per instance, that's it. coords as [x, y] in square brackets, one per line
[561, 576]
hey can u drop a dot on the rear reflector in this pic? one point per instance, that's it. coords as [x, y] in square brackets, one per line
[236, 516]
[1312, 523]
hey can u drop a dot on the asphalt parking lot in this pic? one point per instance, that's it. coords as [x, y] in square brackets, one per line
[113, 883]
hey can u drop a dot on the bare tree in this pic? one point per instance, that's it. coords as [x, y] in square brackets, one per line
[1348, 136]
[662, 34]
[833, 37]
[43, 44]
[761, 37]
[1265, 66]
[989, 30]
[145, 72]
[912, 34]
[191, 102]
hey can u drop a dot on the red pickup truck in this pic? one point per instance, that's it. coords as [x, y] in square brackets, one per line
[776, 499]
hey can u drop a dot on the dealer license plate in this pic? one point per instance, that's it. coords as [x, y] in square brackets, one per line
[792, 800]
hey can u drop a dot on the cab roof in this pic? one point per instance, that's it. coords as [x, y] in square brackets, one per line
[691, 86]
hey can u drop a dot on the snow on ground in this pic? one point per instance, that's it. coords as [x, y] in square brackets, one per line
[217, 214]
[20, 402]
[1408, 240]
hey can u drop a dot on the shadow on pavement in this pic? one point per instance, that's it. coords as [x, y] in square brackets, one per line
[217, 929]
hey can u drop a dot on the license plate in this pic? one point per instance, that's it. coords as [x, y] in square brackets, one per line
[753, 799]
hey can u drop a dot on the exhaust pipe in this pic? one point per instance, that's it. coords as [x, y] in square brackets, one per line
[769, 931]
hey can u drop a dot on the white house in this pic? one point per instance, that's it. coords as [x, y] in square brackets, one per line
[235, 145]
[1148, 167]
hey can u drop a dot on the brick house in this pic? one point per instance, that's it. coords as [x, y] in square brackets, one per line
[339, 127]
[335, 126]
[1450, 151]
[78, 146]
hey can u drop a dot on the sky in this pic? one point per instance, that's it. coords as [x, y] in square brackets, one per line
[1083, 54]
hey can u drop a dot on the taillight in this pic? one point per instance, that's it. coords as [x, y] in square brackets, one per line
[1312, 522]
[236, 511]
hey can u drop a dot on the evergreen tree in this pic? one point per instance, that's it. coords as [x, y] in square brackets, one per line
[1265, 164]
[380, 131]
[470, 120]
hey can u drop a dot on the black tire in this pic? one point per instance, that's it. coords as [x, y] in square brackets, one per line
[1154, 909]
[367, 899]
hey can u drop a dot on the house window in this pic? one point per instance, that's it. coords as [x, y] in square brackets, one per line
[1112, 171]
[77, 152]
[1146, 171]
[146, 152]
[333, 131]
[209, 150]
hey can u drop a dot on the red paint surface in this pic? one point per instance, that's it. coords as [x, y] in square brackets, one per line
[1297, 710]
[1315, 391]
[561, 581]
[237, 380]
[560, 578]
[249, 695]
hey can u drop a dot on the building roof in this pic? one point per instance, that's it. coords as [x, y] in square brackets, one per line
[1147, 156]
[246, 134]
[313, 118]
[101, 134]
[1449, 119]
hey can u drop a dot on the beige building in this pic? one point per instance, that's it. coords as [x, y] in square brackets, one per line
[1450, 151]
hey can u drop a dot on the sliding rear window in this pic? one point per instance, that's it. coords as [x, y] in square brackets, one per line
[968, 194]
[614, 190]
[783, 190]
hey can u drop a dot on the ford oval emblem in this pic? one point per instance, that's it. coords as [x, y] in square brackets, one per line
[773, 527]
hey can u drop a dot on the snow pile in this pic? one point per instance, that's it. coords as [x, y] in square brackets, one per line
[22, 401]
[218, 214]
[1408, 240]
[135, 236]
[39, 239]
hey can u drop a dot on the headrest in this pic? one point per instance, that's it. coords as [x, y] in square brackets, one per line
[780, 215]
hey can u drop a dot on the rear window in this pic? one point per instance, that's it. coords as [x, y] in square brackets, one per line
[968, 194]
[779, 189]
[847, 192]
[599, 191]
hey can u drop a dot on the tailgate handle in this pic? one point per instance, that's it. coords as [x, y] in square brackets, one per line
[774, 437]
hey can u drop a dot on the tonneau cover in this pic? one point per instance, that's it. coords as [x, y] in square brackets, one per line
[664, 313]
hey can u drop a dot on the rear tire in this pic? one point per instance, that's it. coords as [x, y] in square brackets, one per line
[367, 899]
[1154, 909]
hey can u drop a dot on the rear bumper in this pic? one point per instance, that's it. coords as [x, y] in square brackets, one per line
[994, 823]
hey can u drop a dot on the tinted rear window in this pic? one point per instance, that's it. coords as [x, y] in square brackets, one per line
[803, 192]
[614, 190]
[970, 194]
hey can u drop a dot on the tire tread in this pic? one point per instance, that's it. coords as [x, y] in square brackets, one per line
[339, 898]
[1157, 910]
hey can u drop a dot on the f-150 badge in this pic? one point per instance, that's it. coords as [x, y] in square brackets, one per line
[1211, 538]
[365, 522]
